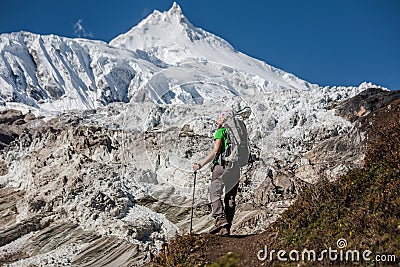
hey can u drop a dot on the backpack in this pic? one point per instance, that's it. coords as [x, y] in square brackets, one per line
[237, 146]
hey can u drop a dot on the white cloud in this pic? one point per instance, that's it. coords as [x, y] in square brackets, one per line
[80, 30]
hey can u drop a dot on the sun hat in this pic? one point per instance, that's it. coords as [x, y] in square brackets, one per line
[224, 116]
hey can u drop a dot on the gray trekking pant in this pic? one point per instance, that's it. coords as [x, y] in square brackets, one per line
[227, 178]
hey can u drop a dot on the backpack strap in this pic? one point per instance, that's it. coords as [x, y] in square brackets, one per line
[218, 158]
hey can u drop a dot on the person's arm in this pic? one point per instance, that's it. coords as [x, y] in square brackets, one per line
[210, 156]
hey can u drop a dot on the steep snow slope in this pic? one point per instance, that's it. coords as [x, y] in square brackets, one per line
[56, 74]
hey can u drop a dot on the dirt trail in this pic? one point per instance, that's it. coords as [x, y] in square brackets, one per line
[244, 247]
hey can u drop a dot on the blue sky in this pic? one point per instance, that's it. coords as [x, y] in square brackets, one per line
[328, 42]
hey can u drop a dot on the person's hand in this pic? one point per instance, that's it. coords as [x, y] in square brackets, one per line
[196, 167]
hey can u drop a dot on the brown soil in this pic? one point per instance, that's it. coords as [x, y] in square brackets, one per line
[244, 247]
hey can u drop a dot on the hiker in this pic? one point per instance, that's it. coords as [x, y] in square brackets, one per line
[222, 176]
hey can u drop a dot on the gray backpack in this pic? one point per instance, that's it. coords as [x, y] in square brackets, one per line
[237, 149]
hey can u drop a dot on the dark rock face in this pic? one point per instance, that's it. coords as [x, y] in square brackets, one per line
[365, 103]
[374, 113]
[349, 149]
[12, 125]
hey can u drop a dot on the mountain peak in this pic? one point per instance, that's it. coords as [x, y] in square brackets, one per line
[175, 9]
[173, 16]
[169, 36]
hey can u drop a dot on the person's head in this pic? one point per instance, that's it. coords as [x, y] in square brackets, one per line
[223, 117]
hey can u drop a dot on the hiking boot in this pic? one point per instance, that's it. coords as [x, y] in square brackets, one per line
[219, 224]
[223, 231]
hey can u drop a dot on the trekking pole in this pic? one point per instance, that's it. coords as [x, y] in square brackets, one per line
[191, 216]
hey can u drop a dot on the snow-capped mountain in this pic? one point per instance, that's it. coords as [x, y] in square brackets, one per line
[109, 166]
[164, 55]
[172, 38]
